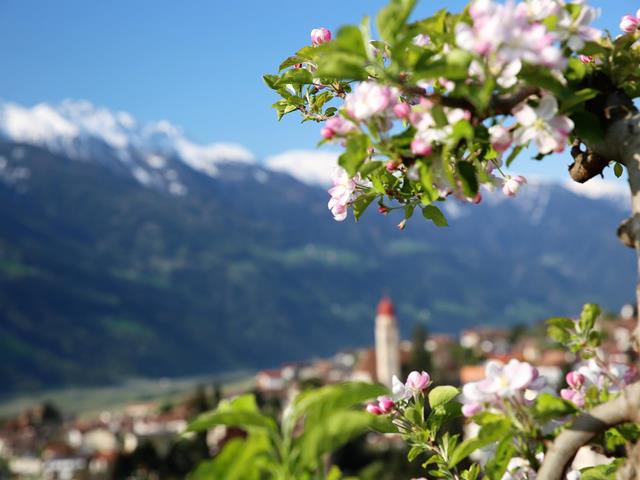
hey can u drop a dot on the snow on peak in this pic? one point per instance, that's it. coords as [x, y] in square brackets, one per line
[598, 188]
[79, 129]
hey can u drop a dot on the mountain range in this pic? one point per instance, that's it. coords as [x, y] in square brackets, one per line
[127, 249]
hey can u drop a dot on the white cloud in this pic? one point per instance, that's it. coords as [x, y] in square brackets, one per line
[600, 188]
[309, 166]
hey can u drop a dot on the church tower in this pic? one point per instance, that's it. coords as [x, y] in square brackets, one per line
[387, 343]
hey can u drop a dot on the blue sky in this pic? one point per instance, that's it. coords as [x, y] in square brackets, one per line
[195, 63]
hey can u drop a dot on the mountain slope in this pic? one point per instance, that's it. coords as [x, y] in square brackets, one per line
[104, 276]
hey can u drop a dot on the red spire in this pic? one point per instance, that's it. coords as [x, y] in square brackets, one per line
[385, 307]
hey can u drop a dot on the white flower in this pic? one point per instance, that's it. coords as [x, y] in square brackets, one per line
[576, 31]
[399, 390]
[543, 125]
[341, 193]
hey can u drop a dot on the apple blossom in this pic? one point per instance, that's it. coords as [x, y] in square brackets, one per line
[417, 381]
[421, 40]
[543, 125]
[320, 35]
[575, 380]
[573, 396]
[400, 392]
[500, 138]
[374, 409]
[327, 133]
[341, 193]
[339, 126]
[585, 58]
[386, 404]
[420, 147]
[576, 30]
[629, 23]
[402, 110]
[370, 99]
[471, 409]
[512, 185]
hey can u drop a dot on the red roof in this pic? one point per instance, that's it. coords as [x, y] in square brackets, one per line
[385, 307]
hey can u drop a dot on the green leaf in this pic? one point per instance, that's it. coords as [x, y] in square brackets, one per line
[370, 167]
[341, 66]
[454, 66]
[548, 407]
[602, 472]
[441, 395]
[489, 433]
[295, 76]
[271, 81]
[433, 213]
[414, 452]
[515, 151]
[618, 170]
[349, 40]
[239, 418]
[467, 174]
[331, 433]
[361, 204]
[577, 98]
[587, 127]
[392, 18]
[561, 322]
[497, 465]
[356, 152]
[576, 70]
[558, 334]
[588, 317]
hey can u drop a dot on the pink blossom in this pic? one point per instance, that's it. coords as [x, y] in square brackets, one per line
[340, 126]
[341, 194]
[327, 133]
[386, 404]
[575, 380]
[402, 110]
[417, 381]
[421, 40]
[500, 138]
[391, 166]
[543, 125]
[585, 58]
[320, 36]
[420, 147]
[471, 409]
[370, 99]
[374, 409]
[512, 185]
[629, 23]
[573, 396]
[576, 30]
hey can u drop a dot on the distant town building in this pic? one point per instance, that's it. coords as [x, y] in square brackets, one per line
[387, 343]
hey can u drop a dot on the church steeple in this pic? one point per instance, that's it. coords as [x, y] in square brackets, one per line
[387, 342]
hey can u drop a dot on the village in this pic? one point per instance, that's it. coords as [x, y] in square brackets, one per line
[148, 440]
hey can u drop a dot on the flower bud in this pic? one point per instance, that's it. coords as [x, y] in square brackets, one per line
[374, 409]
[629, 23]
[500, 138]
[417, 381]
[402, 225]
[297, 65]
[385, 404]
[402, 110]
[471, 409]
[420, 147]
[477, 199]
[585, 58]
[573, 396]
[327, 133]
[512, 185]
[575, 380]
[391, 165]
[320, 36]
[383, 210]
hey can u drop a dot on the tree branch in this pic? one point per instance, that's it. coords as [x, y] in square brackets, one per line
[503, 104]
[625, 408]
[586, 163]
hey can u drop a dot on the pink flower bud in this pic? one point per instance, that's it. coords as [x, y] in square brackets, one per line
[585, 58]
[500, 138]
[402, 110]
[629, 23]
[386, 404]
[297, 65]
[327, 133]
[374, 409]
[420, 147]
[471, 409]
[383, 210]
[320, 36]
[417, 381]
[512, 185]
[391, 165]
[575, 380]
[477, 199]
[573, 396]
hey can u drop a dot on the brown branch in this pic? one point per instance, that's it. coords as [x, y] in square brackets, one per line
[503, 104]
[586, 163]
[625, 408]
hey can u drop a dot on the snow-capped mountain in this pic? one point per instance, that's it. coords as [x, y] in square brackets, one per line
[152, 153]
